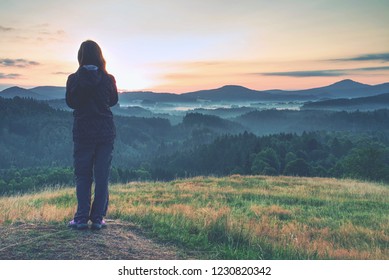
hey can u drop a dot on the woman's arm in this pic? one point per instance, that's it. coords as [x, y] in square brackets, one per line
[113, 97]
[71, 97]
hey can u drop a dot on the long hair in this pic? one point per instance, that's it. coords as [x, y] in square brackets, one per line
[90, 54]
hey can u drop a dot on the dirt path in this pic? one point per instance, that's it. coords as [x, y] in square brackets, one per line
[56, 242]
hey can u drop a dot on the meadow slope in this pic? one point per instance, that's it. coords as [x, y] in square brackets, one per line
[237, 217]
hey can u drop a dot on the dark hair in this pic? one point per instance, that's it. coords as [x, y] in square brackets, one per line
[90, 54]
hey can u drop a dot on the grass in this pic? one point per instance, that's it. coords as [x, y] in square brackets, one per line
[238, 217]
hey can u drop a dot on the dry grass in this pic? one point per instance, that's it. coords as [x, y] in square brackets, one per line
[38, 207]
[286, 217]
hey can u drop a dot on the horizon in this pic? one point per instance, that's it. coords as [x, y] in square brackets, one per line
[181, 47]
[204, 89]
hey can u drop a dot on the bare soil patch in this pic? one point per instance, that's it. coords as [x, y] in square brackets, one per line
[119, 240]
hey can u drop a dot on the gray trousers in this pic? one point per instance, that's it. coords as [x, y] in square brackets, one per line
[92, 162]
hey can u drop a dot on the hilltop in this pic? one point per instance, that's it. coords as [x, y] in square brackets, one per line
[20, 92]
[230, 93]
[237, 217]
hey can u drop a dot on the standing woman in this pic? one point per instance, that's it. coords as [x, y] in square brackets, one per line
[91, 91]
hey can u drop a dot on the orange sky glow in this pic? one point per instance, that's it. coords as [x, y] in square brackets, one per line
[181, 46]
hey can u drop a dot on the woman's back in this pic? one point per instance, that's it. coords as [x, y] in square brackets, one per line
[91, 92]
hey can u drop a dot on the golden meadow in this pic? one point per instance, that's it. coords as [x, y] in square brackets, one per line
[237, 217]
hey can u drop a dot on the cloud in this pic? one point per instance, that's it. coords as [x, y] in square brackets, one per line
[60, 32]
[45, 32]
[9, 76]
[61, 73]
[367, 57]
[233, 64]
[314, 73]
[6, 29]
[30, 34]
[52, 33]
[21, 63]
[372, 68]
[324, 73]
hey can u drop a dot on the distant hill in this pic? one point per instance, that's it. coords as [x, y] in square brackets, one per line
[375, 102]
[38, 93]
[235, 93]
[342, 89]
[228, 93]
[149, 96]
[50, 92]
[20, 92]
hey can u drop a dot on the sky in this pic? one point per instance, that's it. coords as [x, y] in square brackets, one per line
[181, 46]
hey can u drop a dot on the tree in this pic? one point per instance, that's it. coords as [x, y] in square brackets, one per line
[266, 162]
[298, 167]
[367, 163]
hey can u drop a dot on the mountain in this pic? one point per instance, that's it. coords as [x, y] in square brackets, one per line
[50, 92]
[39, 93]
[229, 93]
[20, 92]
[225, 93]
[375, 102]
[149, 96]
[342, 89]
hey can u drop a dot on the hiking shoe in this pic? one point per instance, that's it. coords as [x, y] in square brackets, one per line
[99, 224]
[77, 225]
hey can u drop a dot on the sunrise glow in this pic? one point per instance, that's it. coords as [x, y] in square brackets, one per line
[180, 46]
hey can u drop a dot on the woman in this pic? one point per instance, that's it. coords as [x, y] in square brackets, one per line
[91, 91]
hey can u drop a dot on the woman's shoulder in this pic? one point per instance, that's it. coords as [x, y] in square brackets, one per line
[71, 79]
[72, 75]
[110, 78]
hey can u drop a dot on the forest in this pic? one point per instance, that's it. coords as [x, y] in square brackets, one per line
[36, 145]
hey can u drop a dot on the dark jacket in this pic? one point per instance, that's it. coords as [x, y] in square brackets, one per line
[91, 92]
